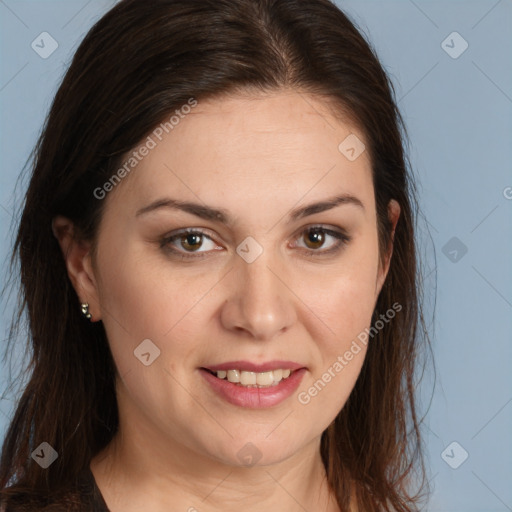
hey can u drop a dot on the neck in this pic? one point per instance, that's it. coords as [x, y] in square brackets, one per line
[133, 475]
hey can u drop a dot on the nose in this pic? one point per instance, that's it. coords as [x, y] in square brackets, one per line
[258, 303]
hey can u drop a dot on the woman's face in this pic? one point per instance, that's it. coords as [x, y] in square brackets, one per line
[256, 286]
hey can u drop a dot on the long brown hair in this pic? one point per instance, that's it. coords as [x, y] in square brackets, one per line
[138, 63]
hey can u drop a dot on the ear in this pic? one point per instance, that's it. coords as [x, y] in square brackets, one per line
[77, 256]
[393, 215]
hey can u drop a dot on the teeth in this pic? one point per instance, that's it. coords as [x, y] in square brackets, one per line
[247, 378]
[265, 378]
[233, 376]
[254, 379]
[278, 375]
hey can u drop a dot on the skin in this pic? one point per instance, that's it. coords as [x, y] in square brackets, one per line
[258, 157]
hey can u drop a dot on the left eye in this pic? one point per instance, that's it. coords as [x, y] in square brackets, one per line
[316, 236]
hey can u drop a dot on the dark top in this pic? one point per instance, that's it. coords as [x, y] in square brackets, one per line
[83, 496]
[91, 495]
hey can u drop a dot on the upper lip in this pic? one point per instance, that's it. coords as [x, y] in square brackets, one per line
[254, 367]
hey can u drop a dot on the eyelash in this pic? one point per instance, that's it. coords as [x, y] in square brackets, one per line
[341, 236]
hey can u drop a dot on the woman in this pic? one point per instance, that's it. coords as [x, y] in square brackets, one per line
[218, 264]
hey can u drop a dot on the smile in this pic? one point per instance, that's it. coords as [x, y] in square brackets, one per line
[253, 379]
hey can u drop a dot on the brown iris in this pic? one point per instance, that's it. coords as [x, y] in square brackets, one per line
[191, 241]
[314, 238]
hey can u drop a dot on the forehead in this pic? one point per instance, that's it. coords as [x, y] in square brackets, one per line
[260, 149]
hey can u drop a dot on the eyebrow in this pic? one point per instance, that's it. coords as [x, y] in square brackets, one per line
[221, 215]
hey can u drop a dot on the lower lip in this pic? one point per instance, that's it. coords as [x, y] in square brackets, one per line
[254, 398]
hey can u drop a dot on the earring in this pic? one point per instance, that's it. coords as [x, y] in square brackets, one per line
[85, 310]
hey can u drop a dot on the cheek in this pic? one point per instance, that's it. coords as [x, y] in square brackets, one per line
[340, 350]
[344, 295]
[344, 300]
[345, 308]
[146, 298]
[145, 292]
[152, 315]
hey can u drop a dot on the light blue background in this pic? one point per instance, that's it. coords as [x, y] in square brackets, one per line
[458, 113]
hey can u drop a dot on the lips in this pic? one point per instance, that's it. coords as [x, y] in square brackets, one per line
[254, 367]
[253, 397]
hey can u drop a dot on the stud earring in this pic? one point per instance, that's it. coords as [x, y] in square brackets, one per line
[85, 310]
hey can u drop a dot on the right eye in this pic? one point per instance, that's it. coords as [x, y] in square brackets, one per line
[190, 240]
